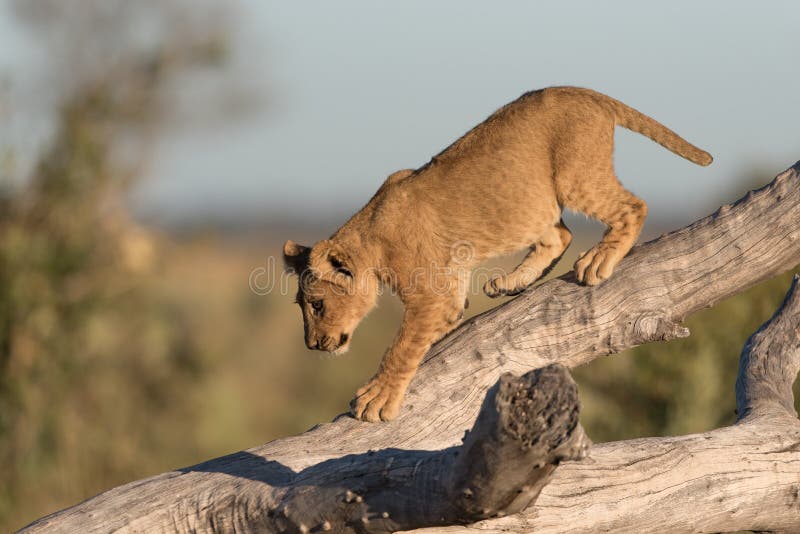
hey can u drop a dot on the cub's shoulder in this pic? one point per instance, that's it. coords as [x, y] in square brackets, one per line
[398, 176]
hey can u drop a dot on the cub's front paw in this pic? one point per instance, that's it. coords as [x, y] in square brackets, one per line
[378, 400]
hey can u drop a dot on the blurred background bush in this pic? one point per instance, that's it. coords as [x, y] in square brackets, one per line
[131, 340]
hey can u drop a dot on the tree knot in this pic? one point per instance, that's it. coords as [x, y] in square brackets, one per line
[656, 327]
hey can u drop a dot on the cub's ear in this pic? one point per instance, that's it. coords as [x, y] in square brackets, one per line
[330, 261]
[295, 257]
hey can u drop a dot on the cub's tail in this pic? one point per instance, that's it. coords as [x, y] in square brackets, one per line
[629, 118]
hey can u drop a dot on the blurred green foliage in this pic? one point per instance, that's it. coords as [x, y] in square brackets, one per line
[82, 326]
[96, 357]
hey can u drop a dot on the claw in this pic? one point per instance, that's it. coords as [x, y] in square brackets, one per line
[491, 288]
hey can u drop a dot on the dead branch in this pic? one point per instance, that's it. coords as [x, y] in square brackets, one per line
[746, 476]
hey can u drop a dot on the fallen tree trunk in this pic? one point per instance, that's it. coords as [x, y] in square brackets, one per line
[525, 428]
[742, 477]
[752, 468]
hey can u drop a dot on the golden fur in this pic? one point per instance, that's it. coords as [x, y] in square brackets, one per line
[498, 189]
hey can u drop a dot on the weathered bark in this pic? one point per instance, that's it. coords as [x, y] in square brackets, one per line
[769, 364]
[525, 428]
[744, 476]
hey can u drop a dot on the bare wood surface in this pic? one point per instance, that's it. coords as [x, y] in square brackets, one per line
[526, 427]
[769, 364]
[651, 292]
[742, 477]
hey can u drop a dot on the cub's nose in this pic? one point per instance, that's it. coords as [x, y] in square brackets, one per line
[312, 344]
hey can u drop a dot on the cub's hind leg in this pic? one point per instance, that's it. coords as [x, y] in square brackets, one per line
[542, 257]
[624, 214]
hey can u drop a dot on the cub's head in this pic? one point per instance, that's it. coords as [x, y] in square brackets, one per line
[333, 293]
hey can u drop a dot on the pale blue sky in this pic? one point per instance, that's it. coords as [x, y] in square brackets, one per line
[359, 89]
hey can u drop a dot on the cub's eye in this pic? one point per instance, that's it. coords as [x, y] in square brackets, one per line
[317, 306]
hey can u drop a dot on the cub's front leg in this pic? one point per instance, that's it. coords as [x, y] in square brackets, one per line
[425, 321]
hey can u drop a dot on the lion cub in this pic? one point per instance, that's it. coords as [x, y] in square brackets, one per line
[499, 188]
